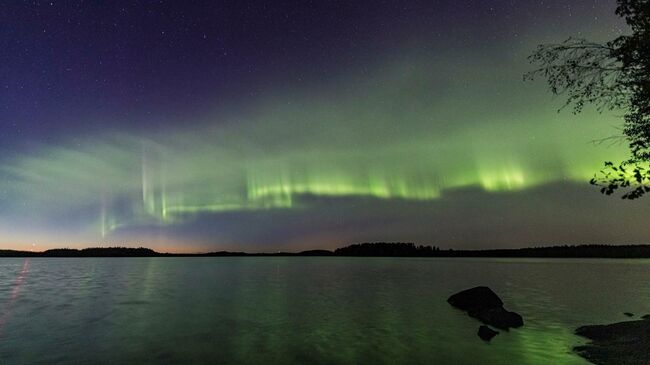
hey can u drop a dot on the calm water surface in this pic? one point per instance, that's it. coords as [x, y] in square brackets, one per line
[302, 310]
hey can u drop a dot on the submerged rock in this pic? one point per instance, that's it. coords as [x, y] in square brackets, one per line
[483, 304]
[486, 333]
[622, 343]
[628, 314]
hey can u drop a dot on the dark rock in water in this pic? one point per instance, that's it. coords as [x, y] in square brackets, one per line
[623, 343]
[481, 296]
[483, 304]
[486, 333]
[629, 314]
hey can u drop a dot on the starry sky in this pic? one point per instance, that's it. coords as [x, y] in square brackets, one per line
[294, 125]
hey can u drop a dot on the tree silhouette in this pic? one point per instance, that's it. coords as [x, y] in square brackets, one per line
[614, 75]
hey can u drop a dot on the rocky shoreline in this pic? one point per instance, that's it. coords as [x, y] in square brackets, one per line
[622, 343]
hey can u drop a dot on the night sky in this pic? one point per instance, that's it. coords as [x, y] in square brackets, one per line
[277, 125]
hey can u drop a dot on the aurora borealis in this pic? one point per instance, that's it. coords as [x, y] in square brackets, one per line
[298, 126]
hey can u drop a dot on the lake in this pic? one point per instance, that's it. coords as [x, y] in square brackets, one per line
[303, 310]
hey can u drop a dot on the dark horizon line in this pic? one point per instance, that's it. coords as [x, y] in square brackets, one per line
[370, 249]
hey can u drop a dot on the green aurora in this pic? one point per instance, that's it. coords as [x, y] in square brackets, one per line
[392, 136]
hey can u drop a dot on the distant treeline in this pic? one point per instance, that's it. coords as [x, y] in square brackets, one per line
[86, 252]
[387, 249]
[370, 249]
[565, 251]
